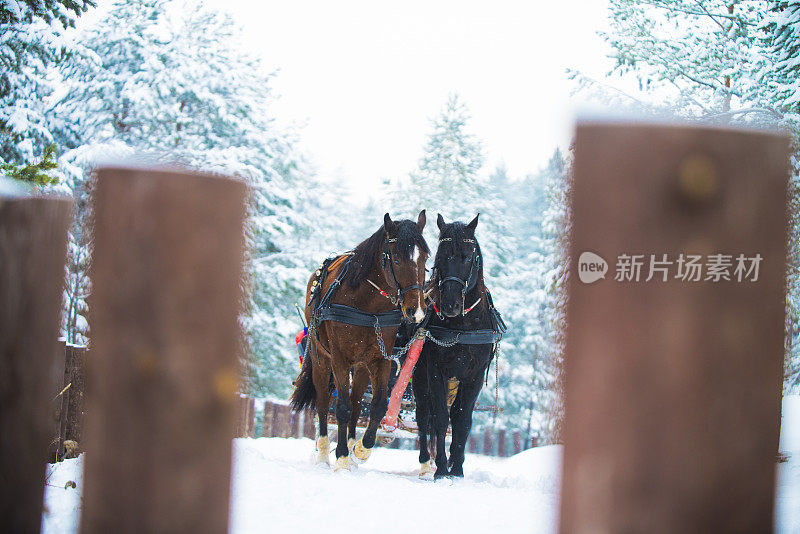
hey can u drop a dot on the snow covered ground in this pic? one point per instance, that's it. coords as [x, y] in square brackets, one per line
[277, 488]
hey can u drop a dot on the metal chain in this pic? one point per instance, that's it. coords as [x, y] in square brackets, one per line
[442, 343]
[379, 336]
[402, 351]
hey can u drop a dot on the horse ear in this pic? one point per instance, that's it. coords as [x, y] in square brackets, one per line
[440, 221]
[389, 225]
[473, 224]
[421, 221]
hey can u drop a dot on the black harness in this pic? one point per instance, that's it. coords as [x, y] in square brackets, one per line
[449, 336]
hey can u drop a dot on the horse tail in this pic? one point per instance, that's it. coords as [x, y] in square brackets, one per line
[305, 394]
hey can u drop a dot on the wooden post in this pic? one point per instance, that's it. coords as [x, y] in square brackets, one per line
[487, 441]
[673, 385]
[163, 372]
[294, 425]
[534, 442]
[283, 417]
[251, 418]
[75, 366]
[269, 418]
[63, 403]
[308, 424]
[517, 442]
[241, 417]
[33, 234]
[473, 444]
[57, 405]
[501, 443]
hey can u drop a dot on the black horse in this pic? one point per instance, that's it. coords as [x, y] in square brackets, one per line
[463, 330]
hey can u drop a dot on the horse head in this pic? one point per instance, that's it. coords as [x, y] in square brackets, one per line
[403, 264]
[458, 264]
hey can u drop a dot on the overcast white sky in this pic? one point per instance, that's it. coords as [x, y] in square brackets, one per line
[365, 76]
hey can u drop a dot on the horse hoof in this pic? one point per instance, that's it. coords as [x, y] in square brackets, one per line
[425, 469]
[323, 450]
[360, 453]
[342, 463]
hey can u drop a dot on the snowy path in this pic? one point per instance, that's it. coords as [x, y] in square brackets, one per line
[386, 492]
[276, 488]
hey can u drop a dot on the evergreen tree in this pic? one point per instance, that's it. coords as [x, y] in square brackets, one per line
[449, 179]
[171, 80]
[779, 86]
[31, 41]
[698, 54]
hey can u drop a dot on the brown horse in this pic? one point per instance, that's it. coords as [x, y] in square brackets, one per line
[352, 311]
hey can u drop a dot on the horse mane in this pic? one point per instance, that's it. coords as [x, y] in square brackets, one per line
[363, 256]
[457, 232]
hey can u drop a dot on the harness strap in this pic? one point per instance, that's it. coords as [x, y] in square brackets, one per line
[348, 315]
[465, 337]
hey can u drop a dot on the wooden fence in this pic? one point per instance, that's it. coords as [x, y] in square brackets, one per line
[278, 420]
[672, 387]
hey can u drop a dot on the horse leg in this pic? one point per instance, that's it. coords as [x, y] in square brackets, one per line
[461, 418]
[321, 375]
[379, 375]
[360, 381]
[421, 396]
[438, 398]
[341, 377]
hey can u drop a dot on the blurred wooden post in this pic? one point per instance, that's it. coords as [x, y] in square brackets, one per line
[251, 418]
[501, 442]
[60, 405]
[284, 414]
[33, 236]
[71, 398]
[487, 441]
[246, 420]
[473, 444]
[75, 360]
[294, 425]
[163, 371]
[534, 442]
[517, 442]
[269, 417]
[309, 430]
[673, 387]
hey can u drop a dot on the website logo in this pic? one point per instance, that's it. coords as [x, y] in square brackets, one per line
[591, 267]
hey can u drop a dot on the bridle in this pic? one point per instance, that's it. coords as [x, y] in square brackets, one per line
[471, 279]
[387, 258]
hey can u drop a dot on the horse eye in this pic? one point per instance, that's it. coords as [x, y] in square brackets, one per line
[397, 262]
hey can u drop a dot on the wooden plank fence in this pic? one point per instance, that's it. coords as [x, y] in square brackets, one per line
[672, 388]
[279, 421]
